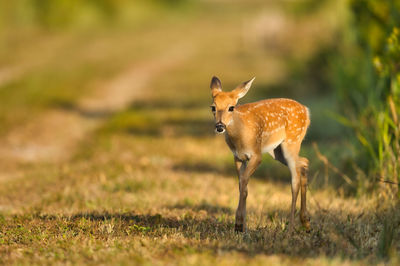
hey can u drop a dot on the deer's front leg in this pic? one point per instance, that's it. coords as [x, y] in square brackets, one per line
[240, 167]
[245, 170]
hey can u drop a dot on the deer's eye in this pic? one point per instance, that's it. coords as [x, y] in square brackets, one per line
[213, 109]
[231, 108]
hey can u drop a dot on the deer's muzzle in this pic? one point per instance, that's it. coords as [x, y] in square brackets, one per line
[220, 127]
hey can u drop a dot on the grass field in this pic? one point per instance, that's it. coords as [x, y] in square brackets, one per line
[108, 156]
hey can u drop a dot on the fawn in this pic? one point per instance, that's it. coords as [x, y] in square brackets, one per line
[274, 126]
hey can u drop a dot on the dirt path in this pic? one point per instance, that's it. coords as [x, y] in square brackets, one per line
[54, 136]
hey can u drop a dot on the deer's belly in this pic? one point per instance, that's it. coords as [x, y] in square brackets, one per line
[269, 144]
[270, 147]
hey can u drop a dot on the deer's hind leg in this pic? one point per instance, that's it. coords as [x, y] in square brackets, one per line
[298, 167]
[290, 152]
[303, 170]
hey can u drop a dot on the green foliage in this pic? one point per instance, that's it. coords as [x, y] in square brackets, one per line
[367, 79]
[385, 239]
[54, 14]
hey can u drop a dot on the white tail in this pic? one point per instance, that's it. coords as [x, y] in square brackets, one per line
[274, 126]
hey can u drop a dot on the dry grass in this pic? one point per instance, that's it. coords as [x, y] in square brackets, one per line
[143, 200]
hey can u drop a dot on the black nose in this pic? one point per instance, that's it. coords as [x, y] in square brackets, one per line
[220, 127]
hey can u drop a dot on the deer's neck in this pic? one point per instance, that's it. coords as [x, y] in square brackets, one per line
[233, 128]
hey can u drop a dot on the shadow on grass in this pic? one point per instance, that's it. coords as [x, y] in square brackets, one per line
[99, 113]
[170, 128]
[152, 222]
[204, 206]
[343, 233]
[162, 104]
[139, 120]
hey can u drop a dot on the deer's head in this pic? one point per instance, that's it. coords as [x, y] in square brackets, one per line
[224, 103]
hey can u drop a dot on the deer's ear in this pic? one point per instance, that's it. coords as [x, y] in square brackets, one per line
[243, 88]
[215, 86]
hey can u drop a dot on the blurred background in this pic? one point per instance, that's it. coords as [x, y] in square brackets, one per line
[107, 140]
[71, 71]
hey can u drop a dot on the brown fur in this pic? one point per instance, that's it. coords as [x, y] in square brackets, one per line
[274, 126]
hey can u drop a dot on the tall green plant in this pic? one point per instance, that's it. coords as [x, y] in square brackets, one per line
[367, 79]
[388, 66]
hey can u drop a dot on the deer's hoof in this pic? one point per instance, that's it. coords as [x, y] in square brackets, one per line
[305, 221]
[239, 228]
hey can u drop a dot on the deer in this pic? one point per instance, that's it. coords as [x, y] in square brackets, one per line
[276, 126]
